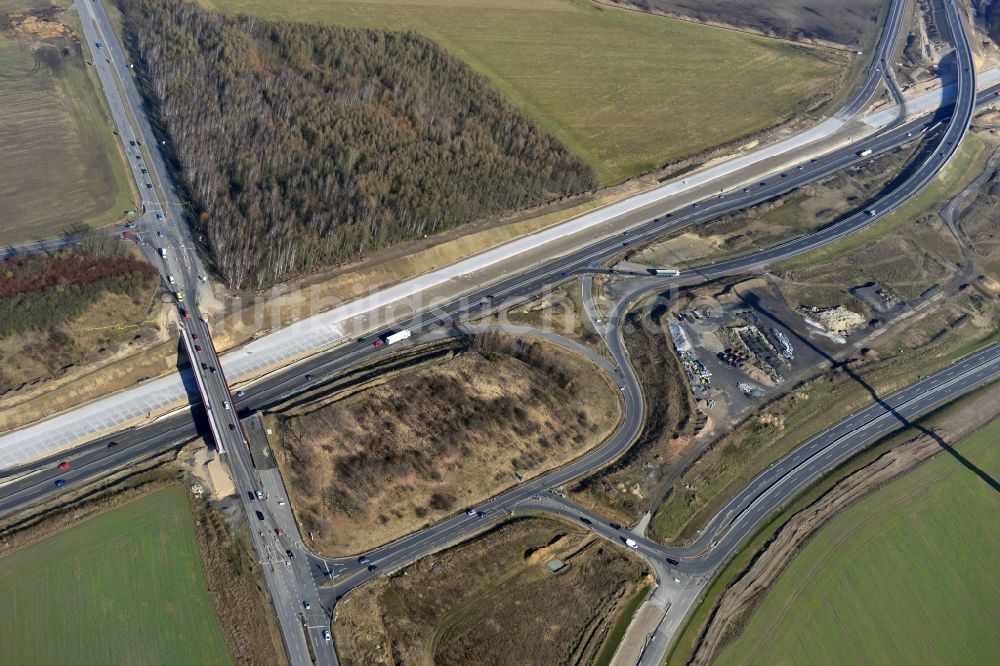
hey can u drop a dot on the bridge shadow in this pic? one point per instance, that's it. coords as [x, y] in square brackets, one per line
[198, 412]
[753, 302]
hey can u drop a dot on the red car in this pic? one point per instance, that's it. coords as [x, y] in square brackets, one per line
[197, 347]
[64, 465]
[279, 532]
[194, 336]
[377, 344]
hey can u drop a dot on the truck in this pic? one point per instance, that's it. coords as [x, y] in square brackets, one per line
[397, 336]
[865, 153]
[666, 272]
[163, 252]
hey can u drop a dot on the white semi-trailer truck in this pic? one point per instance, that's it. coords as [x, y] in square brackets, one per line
[397, 336]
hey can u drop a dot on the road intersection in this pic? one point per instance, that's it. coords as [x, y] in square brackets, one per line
[303, 573]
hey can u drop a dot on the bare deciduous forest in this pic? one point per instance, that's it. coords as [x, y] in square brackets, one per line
[306, 146]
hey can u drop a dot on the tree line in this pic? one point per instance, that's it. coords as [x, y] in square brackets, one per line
[305, 146]
[41, 291]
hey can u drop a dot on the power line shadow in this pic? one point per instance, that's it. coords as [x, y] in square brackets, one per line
[753, 302]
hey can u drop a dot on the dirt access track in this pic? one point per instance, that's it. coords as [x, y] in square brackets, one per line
[738, 602]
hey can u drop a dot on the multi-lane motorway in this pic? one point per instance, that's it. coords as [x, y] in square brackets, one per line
[292, 580]
[173, 251]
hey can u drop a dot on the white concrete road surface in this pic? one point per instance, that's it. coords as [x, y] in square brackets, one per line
[322, 330]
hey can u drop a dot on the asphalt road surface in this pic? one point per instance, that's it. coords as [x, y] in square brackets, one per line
[286, 586]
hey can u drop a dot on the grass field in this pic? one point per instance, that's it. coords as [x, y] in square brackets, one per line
[625, 91]
[60, 164]
[906, 576]
[124, 587]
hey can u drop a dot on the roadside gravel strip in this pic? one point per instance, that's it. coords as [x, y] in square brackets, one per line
[328, 328]
[153, 397]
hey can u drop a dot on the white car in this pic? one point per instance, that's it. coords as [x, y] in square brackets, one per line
[259, 494]
[225, 404]
[326, 635]
[171, 280]
[631, 544]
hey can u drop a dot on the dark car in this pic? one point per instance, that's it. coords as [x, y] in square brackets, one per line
[251, 495]
[197, 347]
[372, 567]
[211, 369]
[308, 377]
[289, 553]
[363, 560]
[60, 483]
[614, 526]
[672, 561]
[260, 516]
[149, 186]
[585, 520]
[131, 143]
[232, 426]
[144, 172]
[565, 274]
[112, 445]
[204, 366]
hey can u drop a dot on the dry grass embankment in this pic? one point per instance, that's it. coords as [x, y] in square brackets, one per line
[907, 257]
[896, 546]
[64, 311]
[494, 600]
[951, 422]
[801, 211]
[623, 490]
[385, 461]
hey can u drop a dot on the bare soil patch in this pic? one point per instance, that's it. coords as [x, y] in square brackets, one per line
[624, 489]
[494, 600]
[845, 23]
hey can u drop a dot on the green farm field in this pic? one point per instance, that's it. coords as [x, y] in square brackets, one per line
[60, 163]
[626, 91]
[906, 576]
[123, 587]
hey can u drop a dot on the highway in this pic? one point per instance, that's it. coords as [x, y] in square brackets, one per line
[173, 251]
[79, 424]
[286, 583]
